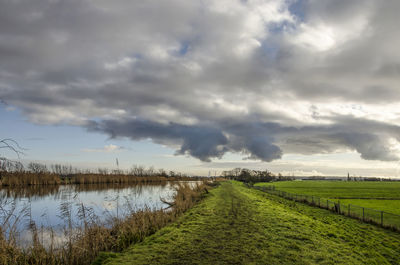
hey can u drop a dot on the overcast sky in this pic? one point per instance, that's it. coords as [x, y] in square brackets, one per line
[295, 86]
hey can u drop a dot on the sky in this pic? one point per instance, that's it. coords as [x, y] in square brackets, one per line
[304, 87]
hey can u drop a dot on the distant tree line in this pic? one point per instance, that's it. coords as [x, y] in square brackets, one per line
[40, 174]
[67, 170]
[371, 179]
[253, 176]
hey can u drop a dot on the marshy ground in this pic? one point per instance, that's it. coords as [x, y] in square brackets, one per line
[238, 225]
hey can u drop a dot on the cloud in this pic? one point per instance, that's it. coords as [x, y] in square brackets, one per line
[260, 140]
[106, 149]
[198, 141]
[262, 78]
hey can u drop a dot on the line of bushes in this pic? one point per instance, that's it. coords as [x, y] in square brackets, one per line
[253, 176]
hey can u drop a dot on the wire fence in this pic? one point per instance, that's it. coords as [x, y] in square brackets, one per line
[381, 218]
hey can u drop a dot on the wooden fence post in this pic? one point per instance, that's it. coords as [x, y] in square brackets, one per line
[363, 213]
[381, 218]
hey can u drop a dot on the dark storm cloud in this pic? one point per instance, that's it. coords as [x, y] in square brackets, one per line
[260, 141]
[371, 139]
[199, 141]
[260, 77]
[203, 142]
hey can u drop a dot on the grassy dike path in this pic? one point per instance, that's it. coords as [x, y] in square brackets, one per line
[238, 225]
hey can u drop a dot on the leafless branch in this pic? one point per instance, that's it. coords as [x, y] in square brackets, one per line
[11, 145]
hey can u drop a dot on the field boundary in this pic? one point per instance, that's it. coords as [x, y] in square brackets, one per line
[368, 198]
[364, 214]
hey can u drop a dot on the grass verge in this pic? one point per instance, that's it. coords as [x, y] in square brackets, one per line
[237, 225]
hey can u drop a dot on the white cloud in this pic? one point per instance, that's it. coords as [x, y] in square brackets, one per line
[321, 36]
[123, 63]
[106, 149]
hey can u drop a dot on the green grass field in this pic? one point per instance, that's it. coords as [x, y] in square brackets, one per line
[238, 225]
[384, 196]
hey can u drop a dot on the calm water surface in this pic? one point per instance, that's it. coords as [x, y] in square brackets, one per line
[46, 205]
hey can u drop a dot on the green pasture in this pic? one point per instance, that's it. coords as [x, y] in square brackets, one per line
[383, 196]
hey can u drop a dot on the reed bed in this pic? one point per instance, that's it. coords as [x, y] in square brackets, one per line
[83, 244]
[13, 179]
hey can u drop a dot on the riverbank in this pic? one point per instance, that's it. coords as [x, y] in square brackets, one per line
[237, 225]
[81, 244]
